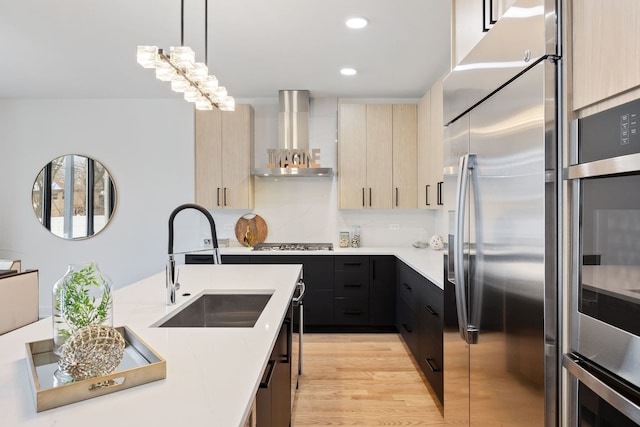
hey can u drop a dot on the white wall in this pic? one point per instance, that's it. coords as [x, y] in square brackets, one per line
[147, 145]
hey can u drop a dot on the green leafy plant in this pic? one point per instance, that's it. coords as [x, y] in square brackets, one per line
[74, 303]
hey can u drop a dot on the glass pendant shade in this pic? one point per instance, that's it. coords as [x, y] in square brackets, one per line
[179, 84]
[203, 104]
[148, 56]
[198, 73]
[182, 56]
[191, 94]
[229, 104]
[165, 72]
[209, 85]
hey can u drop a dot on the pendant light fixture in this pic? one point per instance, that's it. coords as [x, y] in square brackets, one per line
[187, 76]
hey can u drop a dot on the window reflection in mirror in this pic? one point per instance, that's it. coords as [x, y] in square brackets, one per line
[74, 197]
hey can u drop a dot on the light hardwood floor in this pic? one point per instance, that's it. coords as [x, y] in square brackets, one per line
[365, 380]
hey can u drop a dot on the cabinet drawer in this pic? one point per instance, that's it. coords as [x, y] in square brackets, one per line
[408, 290]
[351, 284]
[407, 324]
[431, 366]
[353, 263]
[351, 311]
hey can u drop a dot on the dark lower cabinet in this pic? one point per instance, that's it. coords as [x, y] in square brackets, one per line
[273, 400]
[382, 294]
[419, 319]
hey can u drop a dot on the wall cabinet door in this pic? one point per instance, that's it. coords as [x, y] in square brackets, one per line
[377, 156]
[405, 150]
[436, 145]
[430, 149]
[425, 189]
[352, 161]
[606, 53]
[223, 158]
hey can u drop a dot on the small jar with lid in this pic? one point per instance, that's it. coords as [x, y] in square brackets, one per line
[344, 239]
[355, 236]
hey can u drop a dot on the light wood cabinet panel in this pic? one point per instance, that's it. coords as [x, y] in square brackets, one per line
[377, 152]
[379, 155]
[223, 156]
[437, 143]
[606, 52]
[425, 189]
[352, 161]
[405, 150]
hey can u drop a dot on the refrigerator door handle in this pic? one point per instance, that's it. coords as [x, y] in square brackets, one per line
[466, 162]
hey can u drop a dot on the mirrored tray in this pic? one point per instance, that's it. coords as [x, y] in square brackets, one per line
[140, 365]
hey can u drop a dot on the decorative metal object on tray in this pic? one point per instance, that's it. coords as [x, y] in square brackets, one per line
[92, 351]
[140, 365]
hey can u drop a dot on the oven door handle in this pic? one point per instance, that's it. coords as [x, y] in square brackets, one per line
[602, 389]
[612, 166]
[302, 288]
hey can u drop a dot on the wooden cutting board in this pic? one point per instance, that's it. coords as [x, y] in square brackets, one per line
[256, 227]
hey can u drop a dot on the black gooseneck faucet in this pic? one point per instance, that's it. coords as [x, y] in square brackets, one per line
[172, 284]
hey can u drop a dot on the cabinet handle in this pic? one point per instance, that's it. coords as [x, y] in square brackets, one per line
[439, 201]
[287, 357]
[352, 285]
[407, 286]
[396, 197]
[431, 310]
[352, 312]
[431, 364]
[363, 197]
[369, 196]
[406, 328]
[426, 195]
[218, 196]
[267, 383]
[225, 196]
[373, 269]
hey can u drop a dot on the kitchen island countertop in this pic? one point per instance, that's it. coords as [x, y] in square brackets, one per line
[212, 373]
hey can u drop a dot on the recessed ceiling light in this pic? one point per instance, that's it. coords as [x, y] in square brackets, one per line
[357, 23]
[348, 72]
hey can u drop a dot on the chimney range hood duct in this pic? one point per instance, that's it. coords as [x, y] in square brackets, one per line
[293, 130]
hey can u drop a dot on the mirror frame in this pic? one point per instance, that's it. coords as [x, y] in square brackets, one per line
[43, 189]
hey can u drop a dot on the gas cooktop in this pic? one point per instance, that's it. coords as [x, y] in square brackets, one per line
[293, 247]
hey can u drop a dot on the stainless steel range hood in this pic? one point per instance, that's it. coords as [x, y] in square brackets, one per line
[293, 156]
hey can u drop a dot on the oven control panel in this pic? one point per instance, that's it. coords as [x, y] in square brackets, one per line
[610, 133]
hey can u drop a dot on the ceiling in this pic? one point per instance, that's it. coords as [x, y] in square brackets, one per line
[87, 48]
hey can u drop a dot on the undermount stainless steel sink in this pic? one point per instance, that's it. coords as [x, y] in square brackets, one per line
[219, 311]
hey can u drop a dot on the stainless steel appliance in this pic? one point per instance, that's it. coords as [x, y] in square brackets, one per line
[293, 247]
[501, 109]
[297, 322]
[604, 179]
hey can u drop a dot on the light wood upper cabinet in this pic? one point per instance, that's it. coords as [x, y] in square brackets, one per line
[223, 158]
[379, 155]
[437, 142]
[352, 161]
[430, 149]
[373, 138]
[606, 52]
[405, 150]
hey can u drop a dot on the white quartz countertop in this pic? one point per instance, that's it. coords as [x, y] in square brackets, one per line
[427, 262]
[212, 373]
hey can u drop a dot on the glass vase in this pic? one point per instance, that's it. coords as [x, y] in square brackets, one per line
[81, 297]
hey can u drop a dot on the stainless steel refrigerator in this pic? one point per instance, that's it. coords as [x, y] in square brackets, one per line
[501, 132]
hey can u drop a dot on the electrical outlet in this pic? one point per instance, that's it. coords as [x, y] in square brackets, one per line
[394, 227]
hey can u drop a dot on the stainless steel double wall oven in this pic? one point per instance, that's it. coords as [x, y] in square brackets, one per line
[604, 182]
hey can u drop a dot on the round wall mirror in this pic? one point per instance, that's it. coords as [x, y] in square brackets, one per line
[74, 197]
